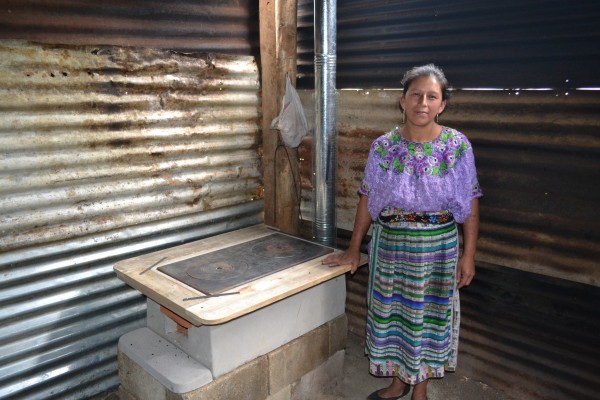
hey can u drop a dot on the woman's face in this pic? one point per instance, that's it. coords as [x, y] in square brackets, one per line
[423, 100]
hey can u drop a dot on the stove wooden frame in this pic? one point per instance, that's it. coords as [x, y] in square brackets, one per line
[253, 295]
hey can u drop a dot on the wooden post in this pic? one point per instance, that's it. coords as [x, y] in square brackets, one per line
[278, 31]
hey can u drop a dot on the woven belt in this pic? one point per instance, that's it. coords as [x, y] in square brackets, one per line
[390, 214]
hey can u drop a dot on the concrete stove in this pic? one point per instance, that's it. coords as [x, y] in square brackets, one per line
[283, 333]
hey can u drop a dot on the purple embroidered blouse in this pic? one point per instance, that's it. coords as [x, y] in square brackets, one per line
[421, 177]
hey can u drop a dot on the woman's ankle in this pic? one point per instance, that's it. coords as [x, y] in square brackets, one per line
[420, 391]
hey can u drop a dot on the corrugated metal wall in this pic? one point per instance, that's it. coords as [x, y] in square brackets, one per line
[531, 336]
[58, 296]
[221, 26]
[108, 152]
[537, 158]
[510, 43]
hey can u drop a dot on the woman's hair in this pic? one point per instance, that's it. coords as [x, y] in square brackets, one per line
[426, 70]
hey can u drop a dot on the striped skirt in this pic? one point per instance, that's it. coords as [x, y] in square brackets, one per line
[413, 306]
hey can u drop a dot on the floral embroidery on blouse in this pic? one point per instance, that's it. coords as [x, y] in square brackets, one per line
[430, 158]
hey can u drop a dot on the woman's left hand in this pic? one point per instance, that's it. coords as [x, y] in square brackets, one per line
[465, 271]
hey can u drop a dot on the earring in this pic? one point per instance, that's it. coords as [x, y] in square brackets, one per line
[437, 118]
[403, 117]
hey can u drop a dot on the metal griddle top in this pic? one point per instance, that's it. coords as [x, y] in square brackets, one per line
[233, 266]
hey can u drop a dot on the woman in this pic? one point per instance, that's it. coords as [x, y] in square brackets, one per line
[419, 183]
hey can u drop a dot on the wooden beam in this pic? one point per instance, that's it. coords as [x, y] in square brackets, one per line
[278, 36]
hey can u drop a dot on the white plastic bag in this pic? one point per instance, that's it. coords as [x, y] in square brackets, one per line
[291, 120]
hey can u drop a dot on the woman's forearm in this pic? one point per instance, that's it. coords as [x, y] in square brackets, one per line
[471, 231]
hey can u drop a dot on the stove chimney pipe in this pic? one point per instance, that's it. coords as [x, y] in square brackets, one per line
[324, 152]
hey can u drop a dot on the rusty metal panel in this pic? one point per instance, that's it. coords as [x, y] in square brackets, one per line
[219, 26]
[96, 139]
[105, 153]
[529, 316]
[362, 117]
[537, 155]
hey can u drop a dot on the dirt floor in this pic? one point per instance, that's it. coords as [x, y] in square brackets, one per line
[358, 383]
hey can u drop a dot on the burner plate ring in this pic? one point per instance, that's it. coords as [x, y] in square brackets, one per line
[218, 270]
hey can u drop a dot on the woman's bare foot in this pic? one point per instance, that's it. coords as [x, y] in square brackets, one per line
[420, 391]
[396, 388]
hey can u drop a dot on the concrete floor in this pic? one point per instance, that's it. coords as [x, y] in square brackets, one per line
[358, 383]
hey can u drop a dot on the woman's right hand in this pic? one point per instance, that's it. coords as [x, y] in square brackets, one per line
[349, 257]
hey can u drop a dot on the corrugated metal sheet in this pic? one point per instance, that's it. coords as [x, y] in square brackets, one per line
[209, 26]
[512, 43]
[106, 153]
[537, 153]
[532, 337]
[537, 158]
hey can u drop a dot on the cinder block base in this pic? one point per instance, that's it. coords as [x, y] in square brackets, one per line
[327, 378]
[305, 368]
